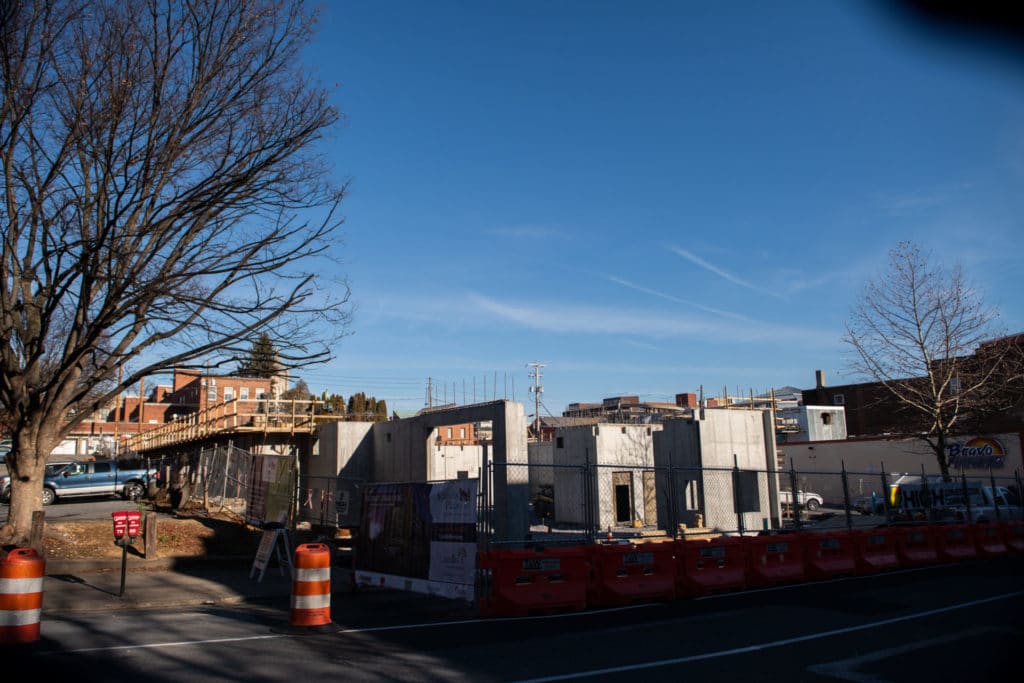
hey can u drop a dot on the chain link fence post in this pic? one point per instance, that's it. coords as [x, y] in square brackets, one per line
[794, 506]
[846, 497]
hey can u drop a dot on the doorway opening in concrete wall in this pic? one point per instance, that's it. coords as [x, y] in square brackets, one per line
[622, 482]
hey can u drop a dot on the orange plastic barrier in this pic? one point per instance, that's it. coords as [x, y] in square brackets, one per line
[533, 581]
[955, 542]
[875, 550]
[311, 586]
[710, 565]
[830, 554]
[916, 545]
[1013, 534]
[623, 573]
[775, 560]
[990, 540]
[21, 596]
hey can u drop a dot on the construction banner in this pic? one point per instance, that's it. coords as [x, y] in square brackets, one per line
[270, 490]
[419, 537]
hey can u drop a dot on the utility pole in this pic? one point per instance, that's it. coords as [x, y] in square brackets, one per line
[430, 393]
[537, 390]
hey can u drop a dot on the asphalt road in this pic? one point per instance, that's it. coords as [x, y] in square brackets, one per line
[81, 509]
[950, 622]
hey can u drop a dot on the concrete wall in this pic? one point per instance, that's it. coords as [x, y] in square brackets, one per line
[340, 464]
[405, 450]
[606, 447]
[821, 423]
[574, 448]
[541, 455]
[818, 464]
[449, 460]
[701, 453]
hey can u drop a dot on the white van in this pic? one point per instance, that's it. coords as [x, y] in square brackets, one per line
[912, 496]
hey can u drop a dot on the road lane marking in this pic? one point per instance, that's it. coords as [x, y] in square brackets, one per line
[846, 669]
[179, 643]
[773, 644]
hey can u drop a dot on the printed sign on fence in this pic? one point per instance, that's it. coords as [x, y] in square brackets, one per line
[419, 537]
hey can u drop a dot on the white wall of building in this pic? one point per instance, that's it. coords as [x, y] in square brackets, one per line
[821, 423]
[819, 463]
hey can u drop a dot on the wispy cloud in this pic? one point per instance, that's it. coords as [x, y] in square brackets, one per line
[909, 202]
[572, 319]
[674, 299]
[720, 272]
[523, 232]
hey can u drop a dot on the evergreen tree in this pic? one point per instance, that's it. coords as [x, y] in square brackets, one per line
[300, 392]
[262, 360]
[357, 406]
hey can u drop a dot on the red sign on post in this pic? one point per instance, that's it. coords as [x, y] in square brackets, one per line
[120, 523]
[126, 524]
[134, 520]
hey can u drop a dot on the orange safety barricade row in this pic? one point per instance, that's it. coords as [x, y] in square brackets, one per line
[21, 596]
[829, 554]
[955, 542]
[624, 573]
[916, 546]
[534, 581]
[1013, 534]
[876, 550]
[775, 560]
[545, 580]
[990, 539]
[705, 566]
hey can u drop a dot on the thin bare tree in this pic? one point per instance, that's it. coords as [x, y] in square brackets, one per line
[918, 329]
[163, 203]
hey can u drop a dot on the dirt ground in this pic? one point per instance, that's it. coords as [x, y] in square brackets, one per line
[178, 534]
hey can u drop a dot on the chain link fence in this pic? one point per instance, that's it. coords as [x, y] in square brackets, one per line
[572, 504]
[217, 479]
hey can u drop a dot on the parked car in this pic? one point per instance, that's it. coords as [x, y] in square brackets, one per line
[869, 505]
[52, 468]
[70, 479]
[805, 499]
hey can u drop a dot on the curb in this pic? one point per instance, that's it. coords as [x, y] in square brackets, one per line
[136, 564]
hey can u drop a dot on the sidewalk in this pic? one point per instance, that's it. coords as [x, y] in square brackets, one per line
[93, 585]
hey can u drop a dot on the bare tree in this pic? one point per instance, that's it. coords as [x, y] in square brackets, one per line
[163, 204]
[918, 330]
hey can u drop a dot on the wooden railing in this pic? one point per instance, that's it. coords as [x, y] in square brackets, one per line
[236, 416]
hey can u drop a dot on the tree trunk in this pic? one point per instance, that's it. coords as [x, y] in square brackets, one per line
[940, 454]
[27, 468]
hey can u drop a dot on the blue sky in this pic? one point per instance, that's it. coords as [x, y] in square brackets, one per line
[648, 197]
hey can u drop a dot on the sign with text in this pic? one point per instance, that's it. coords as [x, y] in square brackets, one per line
[977, 453]
[419, 537]
[270, 489]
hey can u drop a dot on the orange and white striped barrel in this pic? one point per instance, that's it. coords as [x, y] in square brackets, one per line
[311, 586]
[21, 596]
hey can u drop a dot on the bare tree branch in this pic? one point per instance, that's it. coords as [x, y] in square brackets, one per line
[925, 334]
[162, 202]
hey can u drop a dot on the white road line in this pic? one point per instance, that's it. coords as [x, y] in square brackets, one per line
[846, 669]
[769, 645]
[180, 643]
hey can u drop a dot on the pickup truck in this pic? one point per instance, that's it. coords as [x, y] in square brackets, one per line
[914, 498]
[807, 500]
[96, 478]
